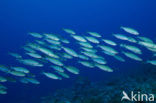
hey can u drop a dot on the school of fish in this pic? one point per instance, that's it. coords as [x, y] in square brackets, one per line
[52, 55]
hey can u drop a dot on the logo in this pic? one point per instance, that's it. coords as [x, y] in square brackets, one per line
[137, 97]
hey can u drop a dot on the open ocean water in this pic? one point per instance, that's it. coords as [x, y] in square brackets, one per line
[42, 25]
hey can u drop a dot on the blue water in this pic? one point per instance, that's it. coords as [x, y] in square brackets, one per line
[18, 17]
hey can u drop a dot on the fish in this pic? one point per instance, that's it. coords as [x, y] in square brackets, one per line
[55, 47]
[86, 63]
[110, 42]
[108, 53]
[32, 80]
[54, 61]
[95, 34]
[65, 41]
[132, 56]
[89, 50]
[86, 44]
[70, 51]
[125, 38]
[83, 57]
[147, 44]
[51, 36]
[99, 60]
[132, 48]
[53, 42]
[2, 91]
[63, 74]
[89, 54]
[104, 67]
[79, 38]
[18, 56]
[108, 49]
[152, 49]
[57, 68]
[17, 73]
[34, 55]
[33, 46]
[40, 42]
[72, 69]
[2, 87]
[24, 80]
[4, 69]
[119, 58]
[52, 76]
[69, 31]
[132, 40]
[67, 56]
[120, 36]
[130, 30]
[153, 62]
[31, 62]
[28, 49]
[92, 39]
[3, 79]
[36, 35]
[48, 52]
[145, 39]
[20, 69]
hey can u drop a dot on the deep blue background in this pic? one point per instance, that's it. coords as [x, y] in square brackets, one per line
[18, 17]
